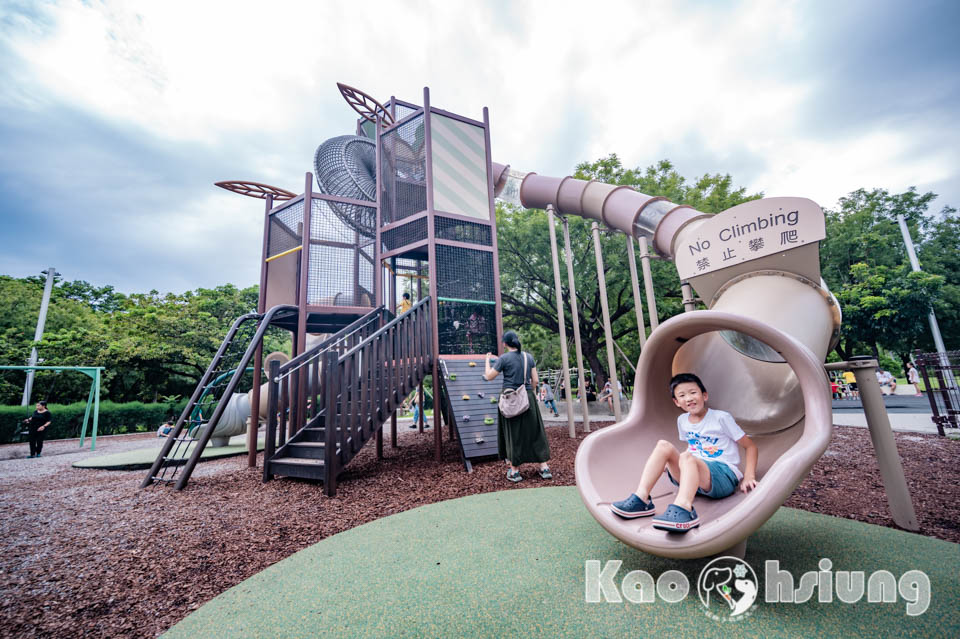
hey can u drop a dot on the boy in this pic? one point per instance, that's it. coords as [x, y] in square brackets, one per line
[708, 467]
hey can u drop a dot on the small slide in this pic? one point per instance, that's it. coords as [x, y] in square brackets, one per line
[759, 350]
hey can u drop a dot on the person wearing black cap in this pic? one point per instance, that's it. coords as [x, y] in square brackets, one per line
[522, 438]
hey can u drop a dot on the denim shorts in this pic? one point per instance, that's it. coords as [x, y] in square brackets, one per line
[723, 481]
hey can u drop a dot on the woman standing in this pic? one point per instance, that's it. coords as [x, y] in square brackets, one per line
[522, 439]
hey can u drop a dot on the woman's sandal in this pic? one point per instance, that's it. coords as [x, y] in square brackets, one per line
[514, 476]
[545, 473]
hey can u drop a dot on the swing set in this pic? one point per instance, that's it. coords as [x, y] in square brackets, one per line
[94, 372]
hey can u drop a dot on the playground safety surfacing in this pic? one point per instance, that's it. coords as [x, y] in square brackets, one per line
[512, 563]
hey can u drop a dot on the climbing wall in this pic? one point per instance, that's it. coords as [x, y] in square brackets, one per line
[471, 402]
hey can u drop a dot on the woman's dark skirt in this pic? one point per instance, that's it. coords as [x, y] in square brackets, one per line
[522, 439]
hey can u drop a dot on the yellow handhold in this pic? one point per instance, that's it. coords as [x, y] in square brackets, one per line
[466, 397]
[472, 364]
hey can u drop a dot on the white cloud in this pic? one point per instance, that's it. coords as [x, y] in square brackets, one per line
[565, 82]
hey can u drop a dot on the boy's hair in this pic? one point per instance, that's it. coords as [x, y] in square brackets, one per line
[684, 378]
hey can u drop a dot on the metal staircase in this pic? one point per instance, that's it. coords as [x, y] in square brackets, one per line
[324, 405]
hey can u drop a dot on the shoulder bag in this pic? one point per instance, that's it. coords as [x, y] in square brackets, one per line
[514, 401]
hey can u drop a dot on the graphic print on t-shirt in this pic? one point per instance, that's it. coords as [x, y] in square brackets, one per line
[707, 446]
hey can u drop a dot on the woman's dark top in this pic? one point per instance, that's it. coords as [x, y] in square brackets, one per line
[39, 419]
[511, 366]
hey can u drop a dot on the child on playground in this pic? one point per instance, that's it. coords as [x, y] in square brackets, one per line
[709, 467]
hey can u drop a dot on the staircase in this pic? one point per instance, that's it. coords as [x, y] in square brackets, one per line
[182, 448]
[324, 405]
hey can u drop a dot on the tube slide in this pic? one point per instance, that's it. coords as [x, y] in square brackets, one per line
[759, 351]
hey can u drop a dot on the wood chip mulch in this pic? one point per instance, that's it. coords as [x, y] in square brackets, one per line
[85, 553]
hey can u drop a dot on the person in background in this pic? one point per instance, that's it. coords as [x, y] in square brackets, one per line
[851, 381]
[165, 428]
[36, 425]
[887, 384]
[548, 398]
[405, 304]
[913, 377]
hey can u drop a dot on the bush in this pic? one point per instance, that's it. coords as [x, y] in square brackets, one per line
[115, 419]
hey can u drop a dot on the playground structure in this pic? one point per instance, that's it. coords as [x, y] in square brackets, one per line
[413, 194]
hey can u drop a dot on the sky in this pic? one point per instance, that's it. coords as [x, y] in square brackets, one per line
[116, 118]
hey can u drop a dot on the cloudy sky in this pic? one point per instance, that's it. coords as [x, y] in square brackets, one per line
[117, 117]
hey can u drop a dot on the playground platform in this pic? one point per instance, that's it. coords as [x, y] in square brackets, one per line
[512, 563]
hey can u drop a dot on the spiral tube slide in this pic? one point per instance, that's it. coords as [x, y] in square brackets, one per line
[609, 461]
[759, 351]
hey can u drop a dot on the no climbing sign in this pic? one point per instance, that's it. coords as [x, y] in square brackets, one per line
[749, 231]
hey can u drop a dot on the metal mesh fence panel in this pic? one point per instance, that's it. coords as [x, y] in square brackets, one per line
[286, 226]
[467, 328]
[403, 168]
[341, 262]
[465, 274]
[403, 111]
[407, 234]
[450, 229]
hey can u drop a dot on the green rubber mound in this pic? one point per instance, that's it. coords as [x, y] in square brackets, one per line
[512, 564]
[141, 458]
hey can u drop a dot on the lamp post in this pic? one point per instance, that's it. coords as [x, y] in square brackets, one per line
[41, 320]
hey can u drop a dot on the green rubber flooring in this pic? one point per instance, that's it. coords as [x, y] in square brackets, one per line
[144, 457]
[512, 564]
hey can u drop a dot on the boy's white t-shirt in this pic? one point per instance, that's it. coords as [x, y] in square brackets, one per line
[713, 438]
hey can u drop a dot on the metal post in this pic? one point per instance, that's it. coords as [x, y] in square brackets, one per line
[932, 317]
[392, 307]
[564, 355]
[38, 335]
[254, 424]
[648, 283]
[86, 412]
[575, 317]
[637, 304]
[884, 446]
[689, 301]
[96, 412]
[433, 268]
[607, 330]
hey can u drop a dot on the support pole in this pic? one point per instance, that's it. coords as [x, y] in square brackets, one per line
[392, 307]
[648, 283]
[86, 413]
[689, 301]
[38, 335]
[637, 303]
[607, 330]
[891, 469]
[96, 412]
[561, 321]
[575, 316]
[254, 425]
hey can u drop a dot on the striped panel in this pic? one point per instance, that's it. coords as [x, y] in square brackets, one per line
[459, 167]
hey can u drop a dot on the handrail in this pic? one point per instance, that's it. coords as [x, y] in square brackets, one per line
[329, 343]
[387, 326]
[207, 432]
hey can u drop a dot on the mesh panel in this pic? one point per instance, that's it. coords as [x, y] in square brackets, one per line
[285, 229]
[404, 169]
[467, 328]
[403, 111]
[341, 262]
[464, 273]
[470, 232]
[406, 234]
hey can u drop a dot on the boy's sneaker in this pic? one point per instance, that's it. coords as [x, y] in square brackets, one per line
[632, 507]
[677, 519]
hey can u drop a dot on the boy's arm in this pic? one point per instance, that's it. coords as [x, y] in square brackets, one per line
[749, 481]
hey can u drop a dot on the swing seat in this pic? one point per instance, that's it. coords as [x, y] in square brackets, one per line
[785, 408]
